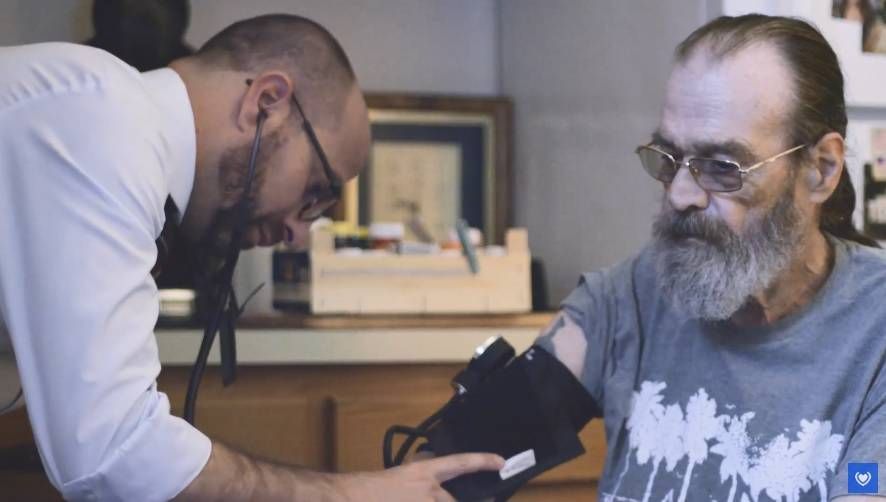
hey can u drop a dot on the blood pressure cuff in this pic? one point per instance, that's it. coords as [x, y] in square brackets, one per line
[534, 403]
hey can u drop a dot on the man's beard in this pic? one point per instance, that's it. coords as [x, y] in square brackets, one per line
[213, 246]
[712, 276]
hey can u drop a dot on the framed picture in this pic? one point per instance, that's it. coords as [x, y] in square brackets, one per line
[433, 160]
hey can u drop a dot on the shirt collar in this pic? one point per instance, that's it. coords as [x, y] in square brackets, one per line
[169, 93]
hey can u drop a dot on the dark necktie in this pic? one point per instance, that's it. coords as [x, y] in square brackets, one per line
[168, 237]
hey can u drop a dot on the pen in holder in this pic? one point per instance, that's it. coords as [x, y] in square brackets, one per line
[467, 247]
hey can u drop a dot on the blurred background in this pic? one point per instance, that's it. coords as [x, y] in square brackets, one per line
[586, 79]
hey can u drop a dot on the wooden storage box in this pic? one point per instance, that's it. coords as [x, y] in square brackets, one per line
[410, 284]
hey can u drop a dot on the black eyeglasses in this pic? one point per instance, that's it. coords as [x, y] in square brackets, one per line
[317, 204]
[713, 175]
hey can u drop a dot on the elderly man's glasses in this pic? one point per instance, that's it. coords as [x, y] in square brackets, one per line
[713, 175]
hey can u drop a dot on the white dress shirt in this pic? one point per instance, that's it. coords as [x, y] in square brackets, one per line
[89, 151]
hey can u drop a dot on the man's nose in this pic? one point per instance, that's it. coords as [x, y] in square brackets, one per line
[684, 193]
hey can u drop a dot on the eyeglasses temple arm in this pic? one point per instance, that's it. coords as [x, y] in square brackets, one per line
[775, 157]
[312, 136]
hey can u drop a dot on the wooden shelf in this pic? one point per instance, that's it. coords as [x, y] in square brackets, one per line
[281, 338]
[352, 322]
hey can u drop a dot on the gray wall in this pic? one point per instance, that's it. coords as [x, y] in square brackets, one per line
[30, 21]
[444, 46]
[587, 78]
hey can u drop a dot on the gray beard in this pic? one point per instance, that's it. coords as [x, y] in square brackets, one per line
[712, 276]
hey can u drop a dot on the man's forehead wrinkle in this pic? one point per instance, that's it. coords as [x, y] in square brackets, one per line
[691, 119]
[733, 146]
[724, 101]
[703, 140]
[706, 136]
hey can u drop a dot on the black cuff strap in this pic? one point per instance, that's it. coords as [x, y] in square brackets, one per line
[557, 387]
[534, 403]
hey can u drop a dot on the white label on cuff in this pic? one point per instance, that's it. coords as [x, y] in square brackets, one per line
[517, 464]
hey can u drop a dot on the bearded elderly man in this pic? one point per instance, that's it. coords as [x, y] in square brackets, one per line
[740, 356]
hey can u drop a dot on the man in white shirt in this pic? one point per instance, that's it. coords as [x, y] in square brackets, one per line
[89, 152]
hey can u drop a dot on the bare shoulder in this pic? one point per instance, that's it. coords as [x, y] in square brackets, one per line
[568, 342]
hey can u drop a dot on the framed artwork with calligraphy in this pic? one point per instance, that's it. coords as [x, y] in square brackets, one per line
[435, 159]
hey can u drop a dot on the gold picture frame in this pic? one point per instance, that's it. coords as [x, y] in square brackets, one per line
[440, 157]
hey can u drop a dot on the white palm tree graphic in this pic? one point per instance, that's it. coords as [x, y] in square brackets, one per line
[668, 445]
[779, 471]
[702, 425]
[661, 435]
[642, 424]
[732, 444]
[821, 449]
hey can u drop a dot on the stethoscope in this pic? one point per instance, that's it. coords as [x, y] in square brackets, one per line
[223, 294]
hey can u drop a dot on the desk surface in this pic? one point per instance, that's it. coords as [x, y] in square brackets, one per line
[280, 339]
[280, 320]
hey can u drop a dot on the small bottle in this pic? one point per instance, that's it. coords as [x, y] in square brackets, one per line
[363, 241]
[386, 236]
[344, 234]
[292, 279]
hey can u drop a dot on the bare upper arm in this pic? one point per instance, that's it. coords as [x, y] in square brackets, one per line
[569, 342]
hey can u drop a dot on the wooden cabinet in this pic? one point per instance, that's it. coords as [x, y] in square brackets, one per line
[322, 417]
[21, 475]
[320, 393]
[334, 417]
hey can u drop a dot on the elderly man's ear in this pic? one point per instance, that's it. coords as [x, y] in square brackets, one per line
[823, 175]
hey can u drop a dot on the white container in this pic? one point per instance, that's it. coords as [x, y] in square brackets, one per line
[386, 235]
[255, 267]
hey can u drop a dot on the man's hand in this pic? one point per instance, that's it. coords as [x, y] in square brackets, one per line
[230, 476]
[417, 481]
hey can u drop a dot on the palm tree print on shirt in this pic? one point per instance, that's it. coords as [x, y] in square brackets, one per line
[733, 444]
[665, 436]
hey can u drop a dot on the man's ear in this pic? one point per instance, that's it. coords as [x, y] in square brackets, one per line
[822, 176]
[271, 92]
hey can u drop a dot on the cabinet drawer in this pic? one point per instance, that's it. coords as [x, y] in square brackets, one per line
[287, 430]
[359, 425]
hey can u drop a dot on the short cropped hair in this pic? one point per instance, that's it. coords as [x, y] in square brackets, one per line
[301, 47]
